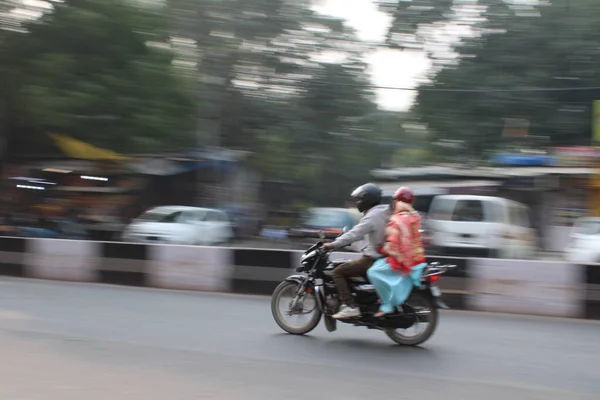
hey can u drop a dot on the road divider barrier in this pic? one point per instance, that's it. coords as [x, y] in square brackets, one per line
[514, 286]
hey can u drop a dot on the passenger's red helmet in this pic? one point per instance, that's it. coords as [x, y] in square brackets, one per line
[404, 195]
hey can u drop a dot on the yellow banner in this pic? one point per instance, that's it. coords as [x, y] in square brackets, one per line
[77, 149]
[596, 123]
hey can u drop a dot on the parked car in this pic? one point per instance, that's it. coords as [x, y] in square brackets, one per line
[485, 226]
[329, 220]
[180, 225]
[584, 241]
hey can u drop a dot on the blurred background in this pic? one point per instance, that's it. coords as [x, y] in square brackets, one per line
[248, 123]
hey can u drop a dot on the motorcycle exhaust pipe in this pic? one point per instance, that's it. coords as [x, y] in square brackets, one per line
[441, 304]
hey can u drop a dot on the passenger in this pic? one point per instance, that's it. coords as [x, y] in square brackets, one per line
[394, 275]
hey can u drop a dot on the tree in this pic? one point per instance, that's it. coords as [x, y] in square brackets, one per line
[275, 90]
[251, 51]
[321, 139]
[514, 49]
[93, 69]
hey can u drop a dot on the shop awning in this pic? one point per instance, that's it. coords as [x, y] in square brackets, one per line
[93, 189]
[77, 149]
[432, 188]
[223, 161]
[157, 167]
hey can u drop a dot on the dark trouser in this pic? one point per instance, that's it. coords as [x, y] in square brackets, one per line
[350, 269]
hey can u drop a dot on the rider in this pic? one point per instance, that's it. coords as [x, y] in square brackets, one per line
[404, 254]
[372, 228]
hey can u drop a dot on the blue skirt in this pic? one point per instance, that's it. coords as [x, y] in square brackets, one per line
[392, 287]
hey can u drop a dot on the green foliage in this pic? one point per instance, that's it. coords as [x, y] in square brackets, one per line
[280, 95]
[87, 69]
[516, 47]
[268, 76]
[411, 157]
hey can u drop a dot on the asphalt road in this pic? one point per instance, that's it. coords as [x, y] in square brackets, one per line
[61, 341]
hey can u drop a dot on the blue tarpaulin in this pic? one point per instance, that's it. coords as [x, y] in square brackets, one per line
[523, 160]
[167, 166]
[221, 166]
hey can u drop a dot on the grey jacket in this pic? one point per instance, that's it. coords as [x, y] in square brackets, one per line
[371, 227]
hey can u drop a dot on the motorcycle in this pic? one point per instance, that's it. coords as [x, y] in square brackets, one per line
[314, 284]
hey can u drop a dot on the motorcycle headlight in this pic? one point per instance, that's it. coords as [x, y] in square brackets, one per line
[305, 261]
[306, 257]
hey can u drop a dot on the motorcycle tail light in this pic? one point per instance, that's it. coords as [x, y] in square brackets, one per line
[434, 278]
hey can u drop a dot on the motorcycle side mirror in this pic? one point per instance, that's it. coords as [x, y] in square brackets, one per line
[321, 235]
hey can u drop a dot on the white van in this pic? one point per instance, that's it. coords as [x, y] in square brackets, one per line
[584, 241]
[464, 225]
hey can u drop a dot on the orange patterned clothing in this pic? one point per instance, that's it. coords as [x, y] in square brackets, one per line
[403, 246]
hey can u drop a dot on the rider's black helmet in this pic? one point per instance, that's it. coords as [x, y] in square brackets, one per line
[367, 196]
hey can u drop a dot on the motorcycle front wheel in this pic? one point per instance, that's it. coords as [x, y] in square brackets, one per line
[427, 319]
[299, 305]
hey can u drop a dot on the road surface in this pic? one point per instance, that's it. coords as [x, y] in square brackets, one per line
[61, 341]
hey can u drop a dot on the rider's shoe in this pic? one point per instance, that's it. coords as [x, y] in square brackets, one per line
[347, 312]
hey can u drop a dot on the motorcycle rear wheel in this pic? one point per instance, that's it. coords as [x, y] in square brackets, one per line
[419, 301]
[276, 300]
